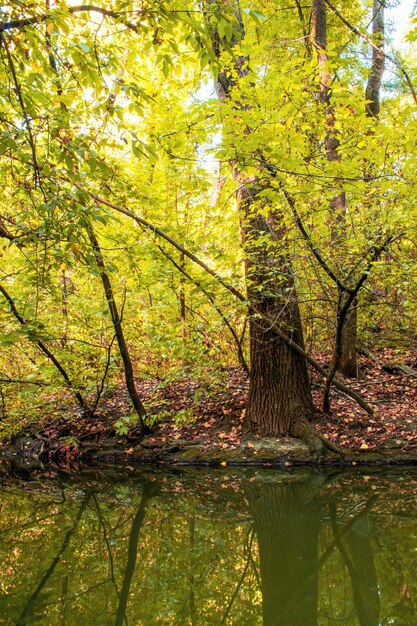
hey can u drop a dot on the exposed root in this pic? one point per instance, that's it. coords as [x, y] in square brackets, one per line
[316, 442]
[330, 445]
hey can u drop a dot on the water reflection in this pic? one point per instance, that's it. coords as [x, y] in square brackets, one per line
[196, 547]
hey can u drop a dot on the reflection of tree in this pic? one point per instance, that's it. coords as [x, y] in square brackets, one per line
[358, 558]
[29, 608]
[132, 554]
[249, 562]
[199, 555]
[287, 522]
[191, 577]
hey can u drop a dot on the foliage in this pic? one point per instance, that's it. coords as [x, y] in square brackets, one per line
[118, 101]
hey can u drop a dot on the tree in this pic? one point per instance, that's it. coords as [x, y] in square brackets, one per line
[104, 124]
[280, 400]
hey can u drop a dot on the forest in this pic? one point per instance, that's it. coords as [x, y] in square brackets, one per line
[207, 226]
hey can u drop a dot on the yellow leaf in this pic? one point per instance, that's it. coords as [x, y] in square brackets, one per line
[50, 28]
[364, 446]
[223, 463]
[75, 249]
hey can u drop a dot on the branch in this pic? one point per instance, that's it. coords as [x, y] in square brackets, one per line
[339, 385]
[342, 313]
[194, 281]
[311, 245]
[18, 381]
[163, 235]
[391, 368]
[43, 347]
[82, 8]
[118, 331]
[273, 322]
[100, 387]
[23, 108]
[5, 233]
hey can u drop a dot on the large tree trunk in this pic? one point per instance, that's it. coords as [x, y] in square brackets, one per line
[287, 523]
[280, 401]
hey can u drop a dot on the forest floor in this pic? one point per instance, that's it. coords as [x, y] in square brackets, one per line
[202, 422]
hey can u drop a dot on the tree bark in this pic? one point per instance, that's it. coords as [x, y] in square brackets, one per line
[373, 86]
[118, 330]
[348, 358]
[280, 401]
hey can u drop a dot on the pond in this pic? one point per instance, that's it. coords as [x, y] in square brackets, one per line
[196, 547]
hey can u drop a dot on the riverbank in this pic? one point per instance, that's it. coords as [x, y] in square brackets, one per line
[201, 422]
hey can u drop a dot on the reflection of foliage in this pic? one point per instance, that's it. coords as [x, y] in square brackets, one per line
[197, 558]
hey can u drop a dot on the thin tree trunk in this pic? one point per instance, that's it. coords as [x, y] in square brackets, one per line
[182, 297]
[373, 86]
[348, 360]
[118, 329]
[64, 307]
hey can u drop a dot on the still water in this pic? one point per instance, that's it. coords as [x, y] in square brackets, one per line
[197, 547]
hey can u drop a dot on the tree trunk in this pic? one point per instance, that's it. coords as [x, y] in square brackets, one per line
[373, 86]
[287, 524]
[348, 365]
[348, 358]
[118, 331]
[280, 401]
